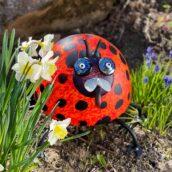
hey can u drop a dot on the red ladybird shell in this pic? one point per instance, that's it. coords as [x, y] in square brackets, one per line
[82, 109]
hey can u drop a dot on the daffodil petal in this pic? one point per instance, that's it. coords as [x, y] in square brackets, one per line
[48, 56]
[23, 58]
[66, 122]
[41, 52]
[46, 77]
[52, 138]
[53, 124]
[36, 71]
[18, 76]
[1, 167]
[48, 37]
[16, 67]
[55, 59]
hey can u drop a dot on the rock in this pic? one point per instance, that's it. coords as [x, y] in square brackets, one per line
[169, 165]
[53, 16]
[139, 131]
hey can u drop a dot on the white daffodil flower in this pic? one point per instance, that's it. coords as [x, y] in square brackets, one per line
[27, 68]
[46, 45]
[33, 49]
[1, 168]
[48, 66]
[30, 46]
[58, 130]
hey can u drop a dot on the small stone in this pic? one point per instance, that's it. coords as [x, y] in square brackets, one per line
[162, 166]
[169, 165]
[139, 132]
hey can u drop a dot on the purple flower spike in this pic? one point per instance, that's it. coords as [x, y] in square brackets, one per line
[149, 50]
[153, 56]
[147, 56]
[145, 79]
[148, 62]
[170, 81]
[170, 54]
[157, 68]
[167, 80]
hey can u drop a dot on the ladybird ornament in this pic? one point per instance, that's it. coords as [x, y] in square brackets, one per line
[92, 81]
[91, 84]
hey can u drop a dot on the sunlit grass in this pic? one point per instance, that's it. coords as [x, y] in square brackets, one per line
[152, 90]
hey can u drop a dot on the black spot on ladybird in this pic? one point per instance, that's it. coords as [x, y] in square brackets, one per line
[36, 96]
[62, 78]
[119, 104]
[45, 108]
[56, 54]
[83, 123]
[69, 46]
[32, 102]
[102, 45]
[60, 116]
[118, 89]
[129, 96]
[81, 41]
[66, 41]
[103, 105]
[122, 58]
[113, 50]
[81, 105]
[62, 102]
[71, 59]
[127, 75]
[42, 87]
[104, 120]
[82, 54]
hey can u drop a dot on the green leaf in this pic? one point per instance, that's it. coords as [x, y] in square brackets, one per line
[101, 160]
[75, 136]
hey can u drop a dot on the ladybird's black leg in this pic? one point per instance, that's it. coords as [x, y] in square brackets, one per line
[135, 147]
[41, 142]
[44, 136]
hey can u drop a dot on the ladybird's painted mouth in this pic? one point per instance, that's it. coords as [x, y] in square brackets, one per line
[98, 85]
[91, 84]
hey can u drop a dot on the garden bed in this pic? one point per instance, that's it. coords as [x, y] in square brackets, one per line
[110, 141]
[132, 26]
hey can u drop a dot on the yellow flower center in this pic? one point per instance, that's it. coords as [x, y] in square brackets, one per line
[25, 47]
[60, 132]
[52, 68]
[41, 44]
[26, 69]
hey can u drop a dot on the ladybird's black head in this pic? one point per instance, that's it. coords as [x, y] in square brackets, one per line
[93, 75]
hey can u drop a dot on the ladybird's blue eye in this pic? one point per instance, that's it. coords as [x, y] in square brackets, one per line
[82, 66]
[106, 66]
